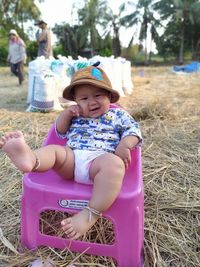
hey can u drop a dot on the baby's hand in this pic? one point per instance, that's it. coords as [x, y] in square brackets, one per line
[73, 111]
[125, 154]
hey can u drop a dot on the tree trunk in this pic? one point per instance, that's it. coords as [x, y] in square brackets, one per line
[145, 51]
[150, 49]
[116, 47]
[195, 52]
[181, 51]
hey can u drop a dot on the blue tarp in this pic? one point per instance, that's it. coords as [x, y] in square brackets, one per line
[192, 67]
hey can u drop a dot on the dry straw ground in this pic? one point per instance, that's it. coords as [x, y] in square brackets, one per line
[167, 107]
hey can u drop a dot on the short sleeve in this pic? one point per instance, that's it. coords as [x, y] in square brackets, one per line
[127, 125]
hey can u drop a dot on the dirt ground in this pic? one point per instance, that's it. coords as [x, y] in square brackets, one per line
[167, 107]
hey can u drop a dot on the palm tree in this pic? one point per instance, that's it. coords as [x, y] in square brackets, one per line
[112, 27]
[143, 15]
[72, 38]
[149, 22]
[183, 12]
[132, 19]
[116, 47]
[90, 16]
[14, 13]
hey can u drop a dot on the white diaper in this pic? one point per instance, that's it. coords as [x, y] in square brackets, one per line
[83, 160]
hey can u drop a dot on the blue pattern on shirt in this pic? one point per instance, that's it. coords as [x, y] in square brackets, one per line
[102, 133]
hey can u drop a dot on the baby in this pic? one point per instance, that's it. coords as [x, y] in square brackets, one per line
[99, 140]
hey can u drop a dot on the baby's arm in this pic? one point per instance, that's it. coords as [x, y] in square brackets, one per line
[64, 120]
[124, 147]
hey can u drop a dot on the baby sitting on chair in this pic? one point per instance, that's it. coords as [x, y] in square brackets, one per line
[99, 140]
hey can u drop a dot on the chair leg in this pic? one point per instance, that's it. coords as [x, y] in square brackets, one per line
[29, 225]
[129, 238]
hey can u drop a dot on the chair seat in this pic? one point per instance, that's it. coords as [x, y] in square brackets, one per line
[51, 181]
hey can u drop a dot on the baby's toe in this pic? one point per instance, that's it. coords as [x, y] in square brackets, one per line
[8, 136]
[72, 234]
[75, 236]
[66, 222]
[18, 134]
[1, 143]
[68, 230]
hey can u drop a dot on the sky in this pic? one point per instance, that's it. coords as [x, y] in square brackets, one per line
[58, 11]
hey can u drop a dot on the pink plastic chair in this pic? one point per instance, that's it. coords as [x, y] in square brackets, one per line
[47, 191]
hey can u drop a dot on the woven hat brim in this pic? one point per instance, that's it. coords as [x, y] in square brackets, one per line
[67, 93]
[40, 22]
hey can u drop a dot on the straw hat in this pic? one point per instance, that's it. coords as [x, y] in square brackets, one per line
[94, 76]
[40, 22]
[13, 32]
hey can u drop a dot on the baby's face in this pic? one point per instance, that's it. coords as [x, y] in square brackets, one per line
[93, 101]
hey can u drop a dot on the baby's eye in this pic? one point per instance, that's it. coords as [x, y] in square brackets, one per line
[83, 98]
[98, 95]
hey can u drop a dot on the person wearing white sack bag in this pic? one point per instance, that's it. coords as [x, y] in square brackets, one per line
[16, 55]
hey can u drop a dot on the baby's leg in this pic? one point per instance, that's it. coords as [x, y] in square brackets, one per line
[107, 171]
[43, 159]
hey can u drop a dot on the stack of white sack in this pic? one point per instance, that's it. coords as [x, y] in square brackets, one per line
[49, 77]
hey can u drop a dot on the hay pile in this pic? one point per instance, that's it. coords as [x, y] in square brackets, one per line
[167, 107]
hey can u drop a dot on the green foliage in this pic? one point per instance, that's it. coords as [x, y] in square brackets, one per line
[58, 50]
[72, 39]
[14, 14]
[105, 52]
[105, 46]
[93, 14]
[168, 43]
[142, 17]
[185, 17]
[131, 52]
[3, 55]
[32, 48]
[3, 46]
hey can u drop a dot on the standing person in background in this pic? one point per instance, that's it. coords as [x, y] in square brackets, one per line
[16, 55]
[43, 37]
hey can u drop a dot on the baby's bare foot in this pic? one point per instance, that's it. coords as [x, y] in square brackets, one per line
[15, 147]
[79, 224]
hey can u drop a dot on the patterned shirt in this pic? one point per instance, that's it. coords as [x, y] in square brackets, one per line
[102, 133]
